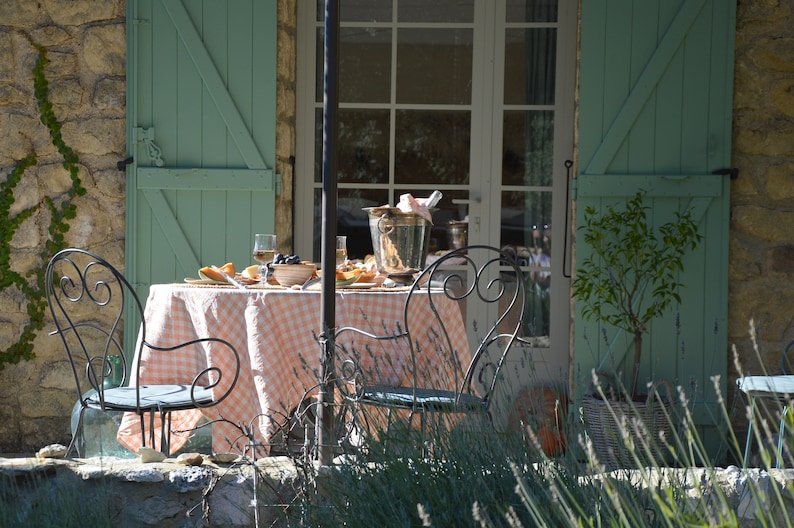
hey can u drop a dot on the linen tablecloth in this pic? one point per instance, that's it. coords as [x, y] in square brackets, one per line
[274, 331]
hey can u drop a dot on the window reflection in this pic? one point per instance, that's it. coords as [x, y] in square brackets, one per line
[359, 10]
[528, 148]
[363, 146]
[409, 10]
[530, 64]
[526, 233]
[435, 10]
[531, 11]
[364, 64]
[352, 220]
[432, 146]
[434, 66]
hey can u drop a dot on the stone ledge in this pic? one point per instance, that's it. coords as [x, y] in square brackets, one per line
[755, 496]
[167, 494]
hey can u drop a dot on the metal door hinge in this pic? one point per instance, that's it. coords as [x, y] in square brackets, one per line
[122, 165]
[278, 184]
[733, 172]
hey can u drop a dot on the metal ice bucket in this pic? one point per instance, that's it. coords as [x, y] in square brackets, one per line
[457, 234]
[400, 241]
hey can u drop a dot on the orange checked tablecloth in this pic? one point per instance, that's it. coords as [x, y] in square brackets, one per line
[274, 332]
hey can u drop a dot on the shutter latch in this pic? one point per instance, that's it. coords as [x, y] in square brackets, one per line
[146, 135]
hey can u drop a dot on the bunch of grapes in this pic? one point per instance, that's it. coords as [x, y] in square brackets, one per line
[286, 259]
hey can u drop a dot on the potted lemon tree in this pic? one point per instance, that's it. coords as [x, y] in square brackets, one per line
[630, 278]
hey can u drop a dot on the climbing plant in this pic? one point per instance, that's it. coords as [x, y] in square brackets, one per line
[61, 211]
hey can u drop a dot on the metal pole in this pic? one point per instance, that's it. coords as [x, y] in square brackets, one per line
[325, 417]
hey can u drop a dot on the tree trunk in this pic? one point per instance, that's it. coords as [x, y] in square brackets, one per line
[635, 373]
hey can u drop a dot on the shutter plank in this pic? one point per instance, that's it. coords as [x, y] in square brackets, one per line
[215, 84]
[655, 68]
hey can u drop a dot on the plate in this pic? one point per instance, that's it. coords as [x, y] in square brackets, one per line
[191, 280]
[359, 286]
[204, 276]
[346, 283]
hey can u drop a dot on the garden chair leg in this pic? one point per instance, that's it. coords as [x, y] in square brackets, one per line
[781, 432]
[749, 433]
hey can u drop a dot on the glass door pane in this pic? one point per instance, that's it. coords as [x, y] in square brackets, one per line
[528, 141]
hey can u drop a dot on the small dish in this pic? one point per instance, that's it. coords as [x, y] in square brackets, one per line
[359, 286]
[349, 277]
[211, 276]
[217, 273]
[344, 283]
[191, 280]
[289, 275]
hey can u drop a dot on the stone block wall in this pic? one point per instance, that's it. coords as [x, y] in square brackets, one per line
[761, 250]
[86, 48]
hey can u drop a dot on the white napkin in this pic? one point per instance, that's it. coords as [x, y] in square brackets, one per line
[409, 204]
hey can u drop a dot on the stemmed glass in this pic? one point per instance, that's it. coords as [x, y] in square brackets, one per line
[264, 251]
[341, 250]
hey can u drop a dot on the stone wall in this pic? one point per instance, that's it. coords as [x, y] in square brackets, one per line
[126, 493]
[167, 494]
[85, 41]
[86, 48]
[762, 198]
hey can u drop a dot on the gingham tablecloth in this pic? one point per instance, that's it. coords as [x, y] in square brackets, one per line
[274, 332]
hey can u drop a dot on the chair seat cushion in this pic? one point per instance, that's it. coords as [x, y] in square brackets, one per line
[426, 399]
[153, 397]
[769, 385]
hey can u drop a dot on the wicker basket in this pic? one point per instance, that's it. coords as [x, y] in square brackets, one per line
[644, 420]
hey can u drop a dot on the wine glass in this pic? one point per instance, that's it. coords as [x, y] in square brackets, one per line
[341, 250]
[264, 251]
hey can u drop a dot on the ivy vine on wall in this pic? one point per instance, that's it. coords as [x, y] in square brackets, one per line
[61, 211]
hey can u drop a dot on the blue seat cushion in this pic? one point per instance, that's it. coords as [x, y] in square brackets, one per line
[767, 385]
[427, 399]
[153, 397]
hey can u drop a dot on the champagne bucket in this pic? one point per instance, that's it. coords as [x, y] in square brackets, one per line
[400, 241]
[457, 234]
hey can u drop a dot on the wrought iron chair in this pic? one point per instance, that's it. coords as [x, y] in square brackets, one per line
[469, 275]
[779, 388]
[87, 297]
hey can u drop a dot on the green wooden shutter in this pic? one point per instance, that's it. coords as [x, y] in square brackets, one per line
[201, 108]
[201, 98]
[655, 114]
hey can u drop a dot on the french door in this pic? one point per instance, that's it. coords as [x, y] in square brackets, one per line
[473, 98]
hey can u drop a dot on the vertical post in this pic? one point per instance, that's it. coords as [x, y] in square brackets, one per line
[325, 398]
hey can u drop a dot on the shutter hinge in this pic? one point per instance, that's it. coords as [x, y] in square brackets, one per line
[278, 184]
[732, 172]
[122, 165]
[574, 189]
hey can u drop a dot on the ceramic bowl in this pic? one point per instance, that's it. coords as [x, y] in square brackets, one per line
[289, 275]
